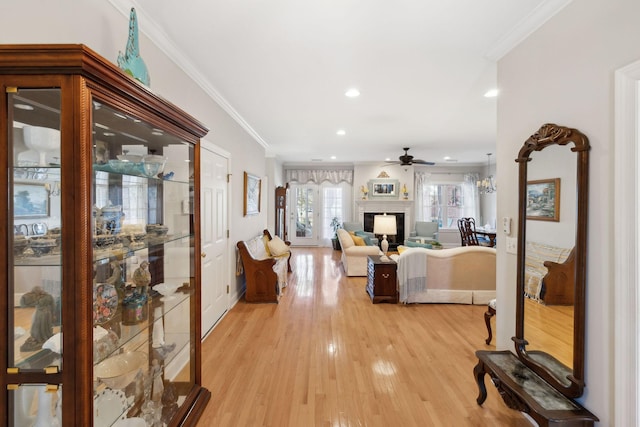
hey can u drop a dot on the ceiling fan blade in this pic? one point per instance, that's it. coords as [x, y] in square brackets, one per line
[423, 162]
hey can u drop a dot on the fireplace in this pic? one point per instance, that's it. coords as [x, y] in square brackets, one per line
[394, 241]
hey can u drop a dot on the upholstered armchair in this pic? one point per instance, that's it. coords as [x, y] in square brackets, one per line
[425, 232]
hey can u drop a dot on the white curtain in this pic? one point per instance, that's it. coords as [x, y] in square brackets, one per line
[422, 181]
[470, 189]
[318, 176]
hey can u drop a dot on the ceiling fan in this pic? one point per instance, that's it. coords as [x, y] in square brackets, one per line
[408, 160]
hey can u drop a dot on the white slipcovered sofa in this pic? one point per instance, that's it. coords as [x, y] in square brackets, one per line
[463, 275]
[354, 258]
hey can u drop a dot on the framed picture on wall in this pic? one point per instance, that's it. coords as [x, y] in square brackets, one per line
[384, 188]
[543, 199]
[252, 185]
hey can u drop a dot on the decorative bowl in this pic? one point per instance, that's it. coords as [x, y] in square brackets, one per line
[166, 289]
[157, 229]
[134, 158]
[120, 370]
[42, 246]
[152, 165]
[42, 140]
[104, 240]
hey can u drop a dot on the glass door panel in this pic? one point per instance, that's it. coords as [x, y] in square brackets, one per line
[304, 214]
[143, 231]
[37, 405]
[36, 276]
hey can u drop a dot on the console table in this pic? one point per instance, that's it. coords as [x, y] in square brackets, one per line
[523, 390]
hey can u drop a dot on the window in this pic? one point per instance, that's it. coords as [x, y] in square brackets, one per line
[332, 208]
[446, 203]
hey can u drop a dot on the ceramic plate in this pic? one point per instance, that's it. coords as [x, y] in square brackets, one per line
[105, 303]
[108, 407]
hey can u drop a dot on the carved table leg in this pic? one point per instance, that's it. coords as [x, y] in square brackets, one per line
[487, 319]
[479, 372]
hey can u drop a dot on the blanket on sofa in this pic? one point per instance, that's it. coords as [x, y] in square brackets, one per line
[412, 275]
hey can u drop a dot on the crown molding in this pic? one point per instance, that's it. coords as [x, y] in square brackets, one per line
[527, 26]
[158, 37]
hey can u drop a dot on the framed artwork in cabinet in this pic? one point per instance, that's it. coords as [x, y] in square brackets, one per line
[30, 200]
[252, 185]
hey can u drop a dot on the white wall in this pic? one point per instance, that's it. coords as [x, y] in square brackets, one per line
[563, 74]
[97, 24]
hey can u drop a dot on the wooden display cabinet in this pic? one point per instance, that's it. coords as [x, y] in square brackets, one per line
[100, 201]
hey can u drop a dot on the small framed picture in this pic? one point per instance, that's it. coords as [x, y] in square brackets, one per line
[30, 200]
[543, 200]
[252, 185]
[384, 188]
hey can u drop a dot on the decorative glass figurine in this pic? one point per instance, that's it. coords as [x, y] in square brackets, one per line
[131, 62]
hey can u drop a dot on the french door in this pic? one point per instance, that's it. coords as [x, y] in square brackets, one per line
[304, 226]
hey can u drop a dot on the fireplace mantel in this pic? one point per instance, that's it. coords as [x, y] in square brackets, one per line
[388, 206]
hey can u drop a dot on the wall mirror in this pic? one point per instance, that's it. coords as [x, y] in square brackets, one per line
[552, 221]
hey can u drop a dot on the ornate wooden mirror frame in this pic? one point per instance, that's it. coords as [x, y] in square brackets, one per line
[567, 380]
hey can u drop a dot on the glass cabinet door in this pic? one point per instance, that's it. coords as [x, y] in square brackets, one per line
[144, 278]
[36, 276]
[35, 252]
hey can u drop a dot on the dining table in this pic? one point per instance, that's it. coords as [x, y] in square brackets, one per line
[488, 233]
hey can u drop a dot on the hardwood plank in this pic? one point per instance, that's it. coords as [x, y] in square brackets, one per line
[325, 355]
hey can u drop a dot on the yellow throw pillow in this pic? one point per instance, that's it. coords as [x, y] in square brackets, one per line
[277, 247]
[265, 240]
[359, 241]
[401, 249]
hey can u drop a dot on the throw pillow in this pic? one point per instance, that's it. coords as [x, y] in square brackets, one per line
[367, 239]
[265, 240]
[277, 246]
[411, 244]
[359, 241]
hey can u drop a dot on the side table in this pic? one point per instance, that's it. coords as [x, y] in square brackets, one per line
[382, 283]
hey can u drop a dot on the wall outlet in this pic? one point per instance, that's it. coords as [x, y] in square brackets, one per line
[512, 245]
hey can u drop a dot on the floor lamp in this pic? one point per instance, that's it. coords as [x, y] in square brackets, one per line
[385, 225]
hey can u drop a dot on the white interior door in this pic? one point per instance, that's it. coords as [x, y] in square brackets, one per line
[214, 261]
[304, 225]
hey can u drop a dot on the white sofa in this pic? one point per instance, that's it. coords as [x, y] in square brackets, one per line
[463, 275]
[354, 258]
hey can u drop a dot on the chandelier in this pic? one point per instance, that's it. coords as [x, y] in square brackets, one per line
[487, 185]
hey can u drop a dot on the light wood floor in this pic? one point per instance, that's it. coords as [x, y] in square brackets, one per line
[326, 356]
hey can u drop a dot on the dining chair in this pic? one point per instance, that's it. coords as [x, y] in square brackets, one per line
[467, 227]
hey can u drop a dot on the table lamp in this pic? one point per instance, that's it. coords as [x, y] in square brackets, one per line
[385, 225]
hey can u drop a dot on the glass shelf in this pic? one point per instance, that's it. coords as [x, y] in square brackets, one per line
[133, 335]
[136, 170]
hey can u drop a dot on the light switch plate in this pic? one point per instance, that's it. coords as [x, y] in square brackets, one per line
[512, 245]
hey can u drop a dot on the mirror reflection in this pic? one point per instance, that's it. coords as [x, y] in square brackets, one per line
[550, 239]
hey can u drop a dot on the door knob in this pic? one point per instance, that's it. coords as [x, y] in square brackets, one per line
[203, 255]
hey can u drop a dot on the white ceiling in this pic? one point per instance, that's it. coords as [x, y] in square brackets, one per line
[281, 68]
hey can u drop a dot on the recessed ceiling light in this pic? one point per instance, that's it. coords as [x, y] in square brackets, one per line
[23, 107]
[491, 93]
[447, 157]
[333, 157]
[387, 159]
[341, 132]
[352, 93]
